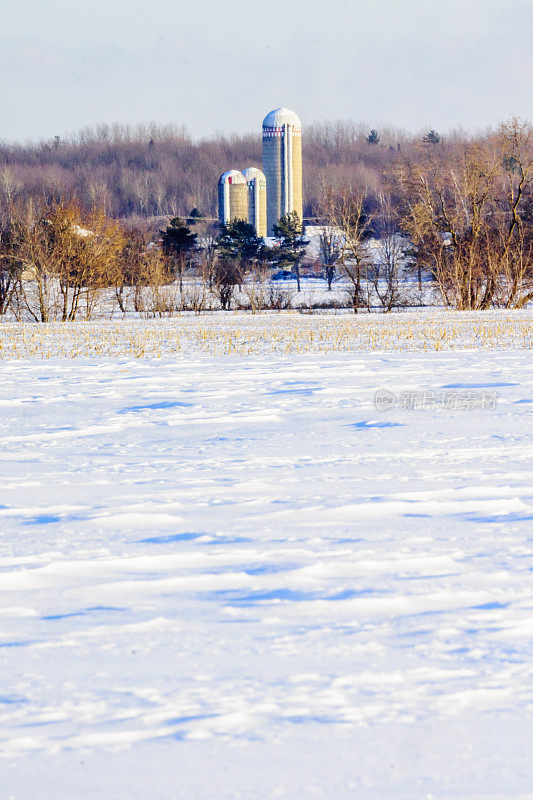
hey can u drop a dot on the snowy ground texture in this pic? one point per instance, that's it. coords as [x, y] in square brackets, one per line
[286, 333]
[232, 577]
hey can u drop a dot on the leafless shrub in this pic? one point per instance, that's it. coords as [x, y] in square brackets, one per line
[195, 297]
[279, 299]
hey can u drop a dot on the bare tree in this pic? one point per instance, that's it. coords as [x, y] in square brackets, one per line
[467, 215]
[63, 256]
[330, 245]
[227, 276]
[160, 297]
[390, 258]
[11, 263]
[515, 140]
[346, 212]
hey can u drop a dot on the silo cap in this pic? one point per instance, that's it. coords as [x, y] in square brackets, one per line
[232, 176]
[281, 116]
[251, 173]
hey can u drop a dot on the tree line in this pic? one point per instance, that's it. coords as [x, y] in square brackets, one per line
[153, 171]
[59, 261]
[456, 216]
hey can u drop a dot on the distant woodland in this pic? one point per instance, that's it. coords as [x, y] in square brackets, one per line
[154, 171]
[116, 212]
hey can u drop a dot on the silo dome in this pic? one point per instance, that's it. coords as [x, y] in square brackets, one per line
[232, 176]
[251, 173]
[282, 116]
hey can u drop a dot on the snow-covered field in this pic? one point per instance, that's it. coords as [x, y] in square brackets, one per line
[287, 333]
[231, 576]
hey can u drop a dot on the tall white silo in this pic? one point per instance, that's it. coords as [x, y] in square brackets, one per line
[282, 164]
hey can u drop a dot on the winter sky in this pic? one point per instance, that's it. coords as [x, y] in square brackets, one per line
[217, 65]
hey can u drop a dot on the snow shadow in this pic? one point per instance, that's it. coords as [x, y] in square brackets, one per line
[190, 537]
[477, 385]
[47, 519]
[369, 425]
[516, 516]
[250, 599]
[154, 407]
[256, 598]
[173, 537]
[11, 701]
[82, 613]
[301, 392]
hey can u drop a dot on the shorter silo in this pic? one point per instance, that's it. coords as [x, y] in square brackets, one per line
[232, 197]
[257, 200]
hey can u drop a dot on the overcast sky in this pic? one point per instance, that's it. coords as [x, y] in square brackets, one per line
[220, 65]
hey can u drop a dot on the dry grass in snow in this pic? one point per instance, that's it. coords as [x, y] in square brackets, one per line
[286, 333]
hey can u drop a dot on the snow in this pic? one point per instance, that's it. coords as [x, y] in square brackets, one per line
[287, 333]
[232, 576]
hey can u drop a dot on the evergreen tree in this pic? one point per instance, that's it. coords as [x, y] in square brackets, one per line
[431, 138]
[195, 216]
[511, 164]
[178, 245]
[373, 137]
[292, 243]
[238, 242]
